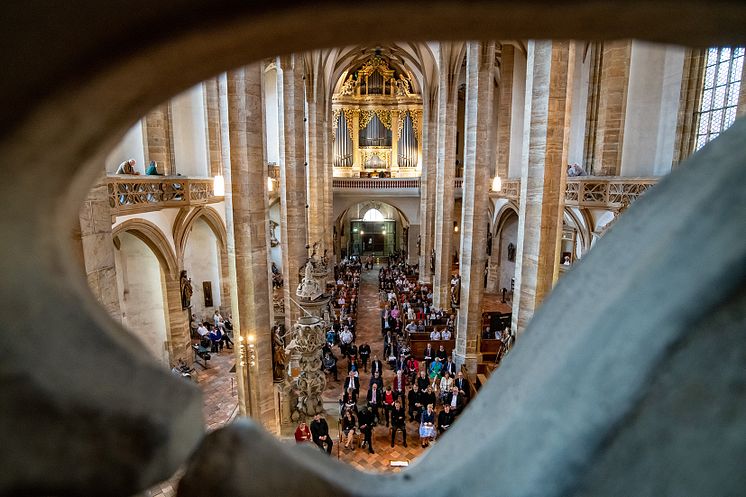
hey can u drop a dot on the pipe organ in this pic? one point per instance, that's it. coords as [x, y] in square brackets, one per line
[376, 123]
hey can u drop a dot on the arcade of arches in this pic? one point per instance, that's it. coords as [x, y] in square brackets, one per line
[430, 176]
[450, 185]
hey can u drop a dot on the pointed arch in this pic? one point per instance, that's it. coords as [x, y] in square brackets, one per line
[154, 238]
[185, 221]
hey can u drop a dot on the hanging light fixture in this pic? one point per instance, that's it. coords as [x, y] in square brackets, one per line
[270, 185]
[455, 227]
[218, 186]
[497, 184]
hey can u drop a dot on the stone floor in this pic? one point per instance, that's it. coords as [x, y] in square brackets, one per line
[220, 395]
[220, 399]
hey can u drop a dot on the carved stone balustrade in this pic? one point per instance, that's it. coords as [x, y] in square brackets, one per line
[134, 194]
[600, 192]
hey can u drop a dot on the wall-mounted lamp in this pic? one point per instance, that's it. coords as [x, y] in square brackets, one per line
[218, 186]
[455, 227]
[497, 184]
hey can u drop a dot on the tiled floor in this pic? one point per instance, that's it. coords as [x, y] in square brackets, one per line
[220, 396]
[220, 404]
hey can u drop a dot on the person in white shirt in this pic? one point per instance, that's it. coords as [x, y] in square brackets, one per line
[445, 335]
[202, 330]
[435, 334]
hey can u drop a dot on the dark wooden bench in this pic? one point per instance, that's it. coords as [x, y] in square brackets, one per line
[418, 346]
[490, 349]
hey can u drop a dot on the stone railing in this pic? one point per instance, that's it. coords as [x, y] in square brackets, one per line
[605, 192]
[131, 194]
[611, 192]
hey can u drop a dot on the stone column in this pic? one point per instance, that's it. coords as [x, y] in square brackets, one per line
[549, 88]
[293, 221]
[179, 336]
[248, 229]
[480, 66]
[427, 188]
[612, 107]
[504, 108]
[159, 138]
[212, 123]
[317, 224]
[98, 248]
[450, 65]
[328, 185]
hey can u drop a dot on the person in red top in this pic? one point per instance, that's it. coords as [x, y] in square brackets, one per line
[302, 433]
[388, 403]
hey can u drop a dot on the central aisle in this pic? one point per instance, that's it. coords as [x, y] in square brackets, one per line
[368, 329]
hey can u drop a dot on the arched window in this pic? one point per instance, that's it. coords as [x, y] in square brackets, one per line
[373, 215]
[722, 84]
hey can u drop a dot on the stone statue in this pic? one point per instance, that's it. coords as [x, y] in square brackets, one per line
[419, 245]
[456, 290]
[309, 288]
[432, 261]
[511, 252]
[186, 290]
[278, 354]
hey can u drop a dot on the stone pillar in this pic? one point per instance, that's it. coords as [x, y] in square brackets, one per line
[549, 94]
[293, 221]
[98, 248]
[480, 66]
[427, 189]
[212, 124]
[179, 336]
[328, 186]
[317, 224]
[450, 64]
[249, 228]
[504, 109]
[612, 108]
[159, 138]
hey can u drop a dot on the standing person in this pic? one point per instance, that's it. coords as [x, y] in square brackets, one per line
[376, 366]
[320, 433]
[388, 403]
[398, 422]
[364, 352]
[374, 401]
[365, 423]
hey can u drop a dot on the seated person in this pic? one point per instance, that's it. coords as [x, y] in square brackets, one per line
[414, 401]
[330, 364]
[152, 169]
[302, 433]
[436, 369]
[320, 433]
[441, 354]
[427, 426]
[127, 167]
[348, 429]
[435, 334]
[446, 334]
[445, 418]
[487, 334]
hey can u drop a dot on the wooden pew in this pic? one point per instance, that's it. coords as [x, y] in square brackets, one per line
[490, 349]
[418, 346]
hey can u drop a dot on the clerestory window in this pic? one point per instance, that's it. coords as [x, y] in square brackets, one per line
[722, 84]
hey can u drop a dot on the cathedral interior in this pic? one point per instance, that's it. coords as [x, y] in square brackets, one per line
[220, 231]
